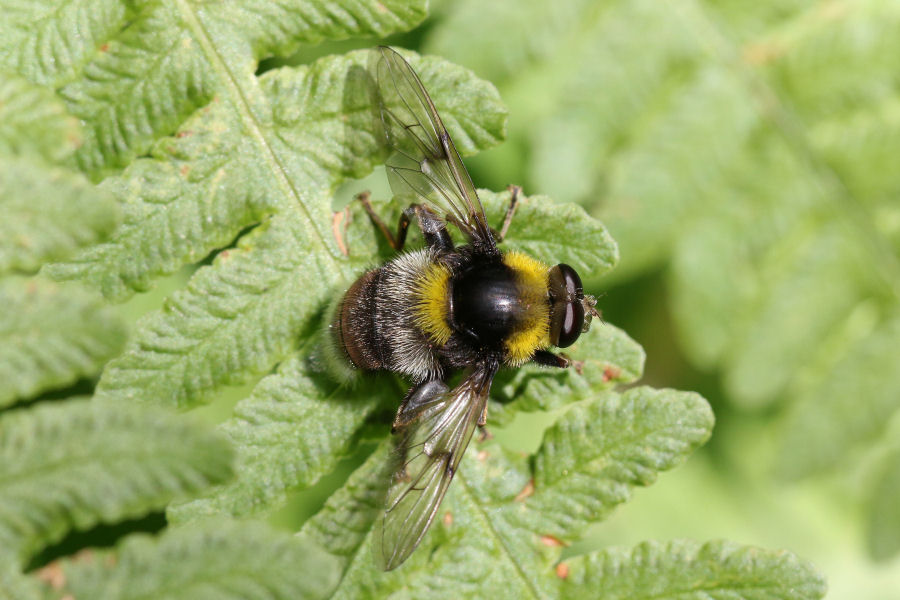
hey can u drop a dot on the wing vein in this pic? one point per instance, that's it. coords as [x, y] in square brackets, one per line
[443, 428]
[420, 144]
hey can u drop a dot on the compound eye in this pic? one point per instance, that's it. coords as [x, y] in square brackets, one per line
[573, 322]
[565, 284]
[566, 323]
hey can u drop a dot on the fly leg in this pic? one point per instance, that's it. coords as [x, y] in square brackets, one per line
[483, 434]
[434, 229]
[514, 192]
[548, 359]
[482, 418]
[363, 198]
[416, 398]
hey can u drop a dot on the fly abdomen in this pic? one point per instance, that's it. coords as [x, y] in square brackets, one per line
[352, 326]
[378, 323]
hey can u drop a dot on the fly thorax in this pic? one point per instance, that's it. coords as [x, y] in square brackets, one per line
[503, 305]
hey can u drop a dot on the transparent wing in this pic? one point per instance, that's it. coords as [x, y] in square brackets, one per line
[424, 163]
[429, 450]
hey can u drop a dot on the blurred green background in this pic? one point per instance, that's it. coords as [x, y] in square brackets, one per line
[744, 156]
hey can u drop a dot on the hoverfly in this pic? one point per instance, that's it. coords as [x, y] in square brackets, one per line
[430, 313]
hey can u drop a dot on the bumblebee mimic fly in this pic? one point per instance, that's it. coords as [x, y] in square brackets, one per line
[444, 309]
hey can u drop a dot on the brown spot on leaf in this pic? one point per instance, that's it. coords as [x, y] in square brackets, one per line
[339, 223]
[562, 570]
[448, 519]
[53, 575]
[611, 372]
[552, 541]
[83, 556]
[526, 491]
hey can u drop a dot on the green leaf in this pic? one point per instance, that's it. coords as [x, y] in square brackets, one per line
[75, 464]
[236, 318]
[280, 28]
[745, 152]
[33, 121]
[605, 357]
[51, 335]
[530, 32]
[601, 449]
[16, 586]
[294, 428]
[48, 213]
[828, 423]
[605, 115]
[651, 184]
[501, 527]
[225, 171]
[690, 570]
[344, 523]
[852, 41]
[819, 268]
[800, 179]
[133, 75]
[216, 559]
[207, 158]
[883, 527]
[554, 233]
[50, 43]
[247, 310]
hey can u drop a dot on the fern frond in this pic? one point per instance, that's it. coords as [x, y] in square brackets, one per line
[247, 311]
[208, 561]
[132, 75]
[690, 570]
[504, 520]
[50, 43]
[294, 428]
[34, 122]
[48, 214]
[51, 335]
[75, 464]
[752, 155]
[606, 357]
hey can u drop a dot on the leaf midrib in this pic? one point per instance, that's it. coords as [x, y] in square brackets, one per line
[250, 123]
[488, 528]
